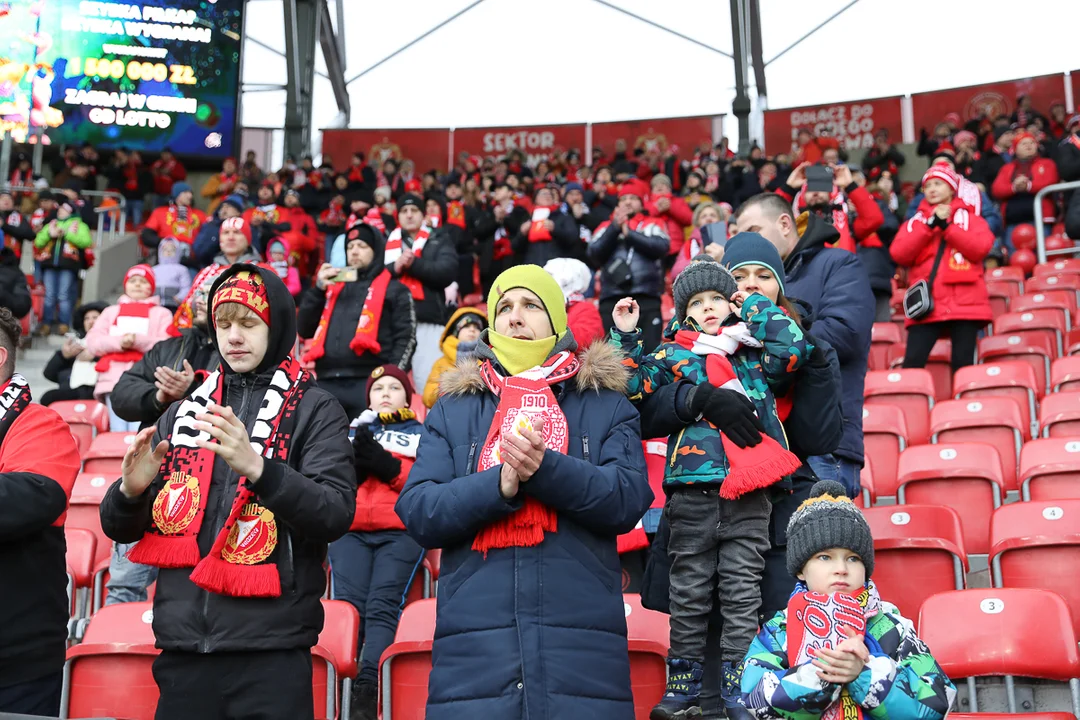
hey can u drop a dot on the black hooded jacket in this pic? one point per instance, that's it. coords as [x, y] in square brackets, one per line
[436, 269]
[312, 495]
[14, 292]
[397, 324]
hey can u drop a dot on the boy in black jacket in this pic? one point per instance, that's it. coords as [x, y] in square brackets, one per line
[234, 495]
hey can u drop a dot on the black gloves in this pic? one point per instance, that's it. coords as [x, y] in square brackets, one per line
[371, 458]
[817, 356]
[730, 411]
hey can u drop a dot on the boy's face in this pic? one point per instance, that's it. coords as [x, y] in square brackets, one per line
[387, 395]
[469, 333]
[137, 288]
[709, 309]
[834, 570]
[243, 340]
[757, 279]
[232, 241]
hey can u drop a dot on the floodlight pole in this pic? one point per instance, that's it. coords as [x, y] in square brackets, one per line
[301, 35]
[740, 40]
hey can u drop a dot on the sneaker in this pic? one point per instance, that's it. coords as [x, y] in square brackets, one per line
[365, 701]
[680, 701]
[731, 693]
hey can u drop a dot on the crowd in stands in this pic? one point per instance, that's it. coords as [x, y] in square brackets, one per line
[495, 342]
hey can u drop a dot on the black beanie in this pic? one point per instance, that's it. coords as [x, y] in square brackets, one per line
[828, 519]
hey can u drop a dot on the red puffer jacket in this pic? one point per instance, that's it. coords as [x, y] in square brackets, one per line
[375, 499]
[959, 291]
[675, 218]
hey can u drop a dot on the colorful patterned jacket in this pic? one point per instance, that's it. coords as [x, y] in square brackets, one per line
[902, 681]
[696, 453]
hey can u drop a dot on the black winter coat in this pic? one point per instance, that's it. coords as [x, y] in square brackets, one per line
[644, 250]
[133, 397]
[879, 265]
[436, 269]
[1072, 216]
[312, 495]
[565, 238]
[14, 292]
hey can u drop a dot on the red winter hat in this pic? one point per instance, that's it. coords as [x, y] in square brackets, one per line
[246, 288]
[963, 136]
[634, 186]
[1022, 135]
[144, 271]
[954, 118]
[238, 223]
[943, 173]
[395, 372]
[413, 186]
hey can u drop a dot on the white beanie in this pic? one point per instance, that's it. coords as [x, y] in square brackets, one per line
[572, 275]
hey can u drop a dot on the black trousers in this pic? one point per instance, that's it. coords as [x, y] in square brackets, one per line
[921, 338]
[33, 697]
[349, 391]
[266, 685]
[651, 322]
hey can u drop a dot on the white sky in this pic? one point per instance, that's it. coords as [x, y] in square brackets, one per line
[600, 65]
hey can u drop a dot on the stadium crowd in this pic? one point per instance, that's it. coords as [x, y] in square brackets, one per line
[388, 360]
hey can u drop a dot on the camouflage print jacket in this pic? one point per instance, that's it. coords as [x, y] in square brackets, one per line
[902, 681]
[696, 453]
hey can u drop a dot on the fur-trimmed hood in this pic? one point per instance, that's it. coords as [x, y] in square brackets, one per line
[601, 369]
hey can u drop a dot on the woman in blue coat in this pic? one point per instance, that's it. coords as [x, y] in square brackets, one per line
[531, 467]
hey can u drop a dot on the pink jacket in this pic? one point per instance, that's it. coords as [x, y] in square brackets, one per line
[100, 341]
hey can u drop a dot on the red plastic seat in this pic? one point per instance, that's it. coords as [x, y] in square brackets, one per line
[866, 498]
[910, 390]
[884, 438]
[1007, 274]
[1008, 379]
[84, 418]
[1057, 267]
[423, 585]
[1050, 469]
[83, 512]
[918, 551]
[109, 674]
[939, 364]
[1059, 415]
[80, 555]
[1036, 351]
[1040, 323]
[338, 641]
[1001, 295]
[1037, 545]
[882, 336]
[995, 421]
[1003, 642]
[1052, 281]
[1063, 300]
[106, 453]
[647, 636]
[405, 665]
[1065, 374]
[963, 476]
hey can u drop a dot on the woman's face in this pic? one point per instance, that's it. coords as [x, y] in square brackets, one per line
[759, 279]
[708, 215]
[693, 181]
[937, 191]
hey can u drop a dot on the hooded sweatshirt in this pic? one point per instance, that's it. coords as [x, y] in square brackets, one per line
[173, 279]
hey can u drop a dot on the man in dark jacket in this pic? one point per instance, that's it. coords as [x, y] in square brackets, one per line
[494, 227]
[38, 465]
[834, 283]
[989, 165]
[13, 224]
[533, 626]
[425, 260]
[548, 234]
[630, 249]
[208, 241]
[236, 630]
[345, 315]
[14, 292]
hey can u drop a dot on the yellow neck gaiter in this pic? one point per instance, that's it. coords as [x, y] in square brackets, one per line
[516, 356]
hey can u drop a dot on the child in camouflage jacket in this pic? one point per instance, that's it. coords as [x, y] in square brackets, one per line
[887, 675]
[718, 507]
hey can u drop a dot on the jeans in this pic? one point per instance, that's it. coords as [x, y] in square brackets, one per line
[59, 291]
[117, 423]
[717, 550]
[373, 571]
[845, 472]
[135, 211]
[127, 580]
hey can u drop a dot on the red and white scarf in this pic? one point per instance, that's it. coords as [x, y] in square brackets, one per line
[523, 400]
[750, 468]
[367, 327]
[133, 318]
[238, 563]
[14, 397]
[394, 246]
[538, 231]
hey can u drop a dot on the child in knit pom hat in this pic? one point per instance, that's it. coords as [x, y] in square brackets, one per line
[875, 663]
[741, 349]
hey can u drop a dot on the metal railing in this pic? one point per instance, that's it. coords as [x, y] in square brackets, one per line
[117, 213]
[1040, 227]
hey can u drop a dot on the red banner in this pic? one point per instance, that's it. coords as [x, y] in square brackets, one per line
[991, 100]
[853, 124]
[538, 142]
[655, 135]
[426, 148]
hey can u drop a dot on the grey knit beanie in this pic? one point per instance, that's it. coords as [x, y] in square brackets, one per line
[828, 519]
[703, 273]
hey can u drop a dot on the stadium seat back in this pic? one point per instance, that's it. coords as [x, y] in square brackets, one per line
[406, 664]
[1048, 323]
[918, 551]
[1010, 274]
[884, 438]
[882, 337]
[1038, 352]
[995, 421]
[1001, 295]
[1050, 469]
[911, 390]
[963, 476]
[1037, 545]
[1057, 267]
[647, 635]
[1065, 374]
[340, 635]
[106, 453]
[1051, 281]
[1062, 299]
[939, 365]
[1059, 415]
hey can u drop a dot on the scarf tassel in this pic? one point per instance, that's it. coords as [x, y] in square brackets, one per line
[524, 528]
[753, 468]
[166, 551]
[215, 575]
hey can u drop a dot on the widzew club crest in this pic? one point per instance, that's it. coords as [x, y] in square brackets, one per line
[177, 503]
[253, 537]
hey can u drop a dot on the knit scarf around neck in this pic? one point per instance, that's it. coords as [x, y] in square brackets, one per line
[516, 355]
[366, 337]
[238, 563]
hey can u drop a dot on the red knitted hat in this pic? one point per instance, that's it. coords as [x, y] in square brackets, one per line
[1022, 135]
[246, 288]
[943, 173]
[633, 186]
[395, 372]
[238, 223]
[144, 271]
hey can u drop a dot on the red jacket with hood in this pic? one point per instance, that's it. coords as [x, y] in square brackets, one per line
[375, 499]
[1043, 172]
[677, 217]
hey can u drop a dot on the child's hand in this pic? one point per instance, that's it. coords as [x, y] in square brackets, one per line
[127, 340]
[843, 664]
[737, 301]
[626, 314]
